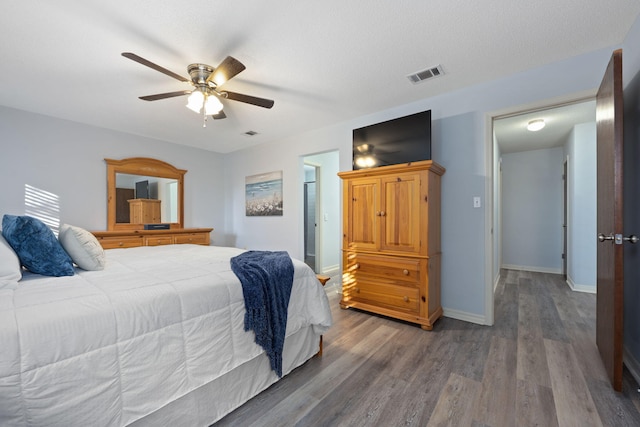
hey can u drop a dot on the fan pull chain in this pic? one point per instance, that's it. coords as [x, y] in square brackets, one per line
[204, 118]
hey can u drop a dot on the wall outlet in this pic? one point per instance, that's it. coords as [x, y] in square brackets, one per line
[476, 202]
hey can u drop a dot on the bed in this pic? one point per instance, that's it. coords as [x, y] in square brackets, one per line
[155, 338]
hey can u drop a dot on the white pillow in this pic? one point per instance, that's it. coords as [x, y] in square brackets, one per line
[82, 246]
[10, 269]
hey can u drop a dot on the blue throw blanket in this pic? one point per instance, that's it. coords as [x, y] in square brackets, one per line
[266, 278]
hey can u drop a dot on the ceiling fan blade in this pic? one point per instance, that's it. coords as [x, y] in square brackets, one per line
[227, 69]
[156, 67]
[220, 115]
[253, 100]
[164, 95]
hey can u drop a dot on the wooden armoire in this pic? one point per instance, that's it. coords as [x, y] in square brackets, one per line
[391, 242]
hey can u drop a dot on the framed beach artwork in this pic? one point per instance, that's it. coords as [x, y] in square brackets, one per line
[263, 194]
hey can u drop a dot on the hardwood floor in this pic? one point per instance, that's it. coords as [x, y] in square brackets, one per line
[537, 366]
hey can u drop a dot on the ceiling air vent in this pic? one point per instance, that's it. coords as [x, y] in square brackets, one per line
[426, 74]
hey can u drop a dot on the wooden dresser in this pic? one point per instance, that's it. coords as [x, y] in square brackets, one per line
[391, 242]
[132, 238]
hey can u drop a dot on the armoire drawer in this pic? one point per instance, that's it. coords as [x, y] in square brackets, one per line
[381, 294]
[393, 269]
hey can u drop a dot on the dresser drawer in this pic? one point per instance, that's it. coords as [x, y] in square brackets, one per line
[385, 295]
[193, 238]
[393, 269]
[158, 240]
[121, 242]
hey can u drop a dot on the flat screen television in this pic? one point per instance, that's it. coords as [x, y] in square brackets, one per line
[402, 140]
[142, 189]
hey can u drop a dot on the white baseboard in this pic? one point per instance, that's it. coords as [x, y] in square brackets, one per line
[464, 316]
[631, 364]
[334, 286]
[331, 270]
[533, 269]
[580, 288]
[495, 283]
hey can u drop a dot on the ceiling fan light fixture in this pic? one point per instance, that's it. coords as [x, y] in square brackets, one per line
[203, 98]
[195, 101]
[535, 125]
[212, 105]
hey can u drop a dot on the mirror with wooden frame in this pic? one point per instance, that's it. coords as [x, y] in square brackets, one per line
[143, 191]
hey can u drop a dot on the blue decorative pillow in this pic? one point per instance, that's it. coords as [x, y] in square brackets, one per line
[36, 246]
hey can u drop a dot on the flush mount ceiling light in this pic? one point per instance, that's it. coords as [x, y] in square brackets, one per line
[535, 125]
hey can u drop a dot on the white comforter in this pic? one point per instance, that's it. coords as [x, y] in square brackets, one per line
[109, 347]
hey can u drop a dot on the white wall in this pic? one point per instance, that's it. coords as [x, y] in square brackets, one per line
[67, 159]
[581, 207]
[532, 210]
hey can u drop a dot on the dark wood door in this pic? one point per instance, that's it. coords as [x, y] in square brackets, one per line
[609, 307]
[123, 195]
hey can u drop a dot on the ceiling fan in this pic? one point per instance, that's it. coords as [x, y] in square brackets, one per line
[206, 81]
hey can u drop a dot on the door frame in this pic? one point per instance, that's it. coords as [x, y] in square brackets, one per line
[492, 277]
[565, 217]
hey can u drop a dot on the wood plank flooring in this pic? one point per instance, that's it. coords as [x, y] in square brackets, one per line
[537, 366]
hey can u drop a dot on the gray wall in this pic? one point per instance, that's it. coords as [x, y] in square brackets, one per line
[631, 76]
[532, 210]
[67, 159]
[461, 120]
[45, 152]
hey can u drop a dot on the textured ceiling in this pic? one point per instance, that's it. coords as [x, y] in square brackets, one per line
[321, 61]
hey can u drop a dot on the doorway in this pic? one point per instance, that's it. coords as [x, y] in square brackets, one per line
[311, 204]
[559, 190]
[320, 214]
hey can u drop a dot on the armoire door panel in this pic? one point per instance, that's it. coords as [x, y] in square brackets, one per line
[364, 208]
[400, 218]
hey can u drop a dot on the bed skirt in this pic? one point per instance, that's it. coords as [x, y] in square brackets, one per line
[212, 401]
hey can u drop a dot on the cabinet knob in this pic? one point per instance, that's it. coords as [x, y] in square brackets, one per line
[120, 244]
[405, 272]
[382, 213]
[357, 290]
[406, 298]
[356, 266]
